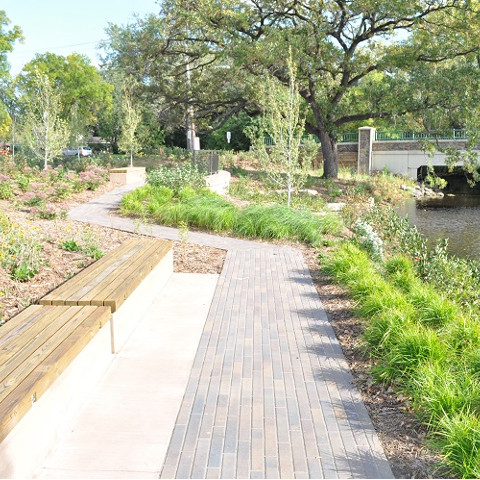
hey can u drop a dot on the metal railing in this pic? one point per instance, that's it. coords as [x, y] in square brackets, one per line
[392, 136]
[348, 137]
[386, 136]
[207, 160]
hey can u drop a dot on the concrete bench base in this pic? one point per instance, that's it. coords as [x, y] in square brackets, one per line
[219, 182]
[127, 175]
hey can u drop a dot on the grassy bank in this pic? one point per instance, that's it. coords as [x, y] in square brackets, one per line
[420, 326]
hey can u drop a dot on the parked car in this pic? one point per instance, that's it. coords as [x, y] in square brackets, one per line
[81, 151]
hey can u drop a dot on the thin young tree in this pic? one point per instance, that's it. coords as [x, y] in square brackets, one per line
[45, 133]
[286, 160]
[131, 121]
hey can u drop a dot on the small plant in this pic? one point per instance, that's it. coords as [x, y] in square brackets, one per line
[93, 252]
[34, 198]
[183, 231]
[70, 245]
[62, 189]
[6, 187]
[177, 178]
[333, 191]
[20, 251]
[369, 239]
[23, 182]
[23, 272]
[90, 249]
[50, 212]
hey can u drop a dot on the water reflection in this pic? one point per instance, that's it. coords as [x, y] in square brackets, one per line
[454, 217]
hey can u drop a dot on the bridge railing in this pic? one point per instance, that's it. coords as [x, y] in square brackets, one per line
[455, 134]
[393, 136]
[349, 137]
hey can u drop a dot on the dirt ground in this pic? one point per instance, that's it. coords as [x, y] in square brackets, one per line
[402, 438]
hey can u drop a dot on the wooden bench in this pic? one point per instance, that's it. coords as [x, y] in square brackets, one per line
[115, 278]
[110, 280]
[38, 345]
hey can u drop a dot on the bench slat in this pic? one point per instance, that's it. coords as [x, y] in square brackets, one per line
[20, 337]
[97, 285]
[123, 289]
[19, 323]
[97, 277]
[97, 289]
[126, 276]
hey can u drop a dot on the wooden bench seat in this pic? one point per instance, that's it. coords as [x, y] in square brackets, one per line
[110, 280]
[36, 346]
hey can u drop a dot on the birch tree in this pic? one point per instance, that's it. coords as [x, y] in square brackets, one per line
[286, 160]
[131, 120]
[45, 133]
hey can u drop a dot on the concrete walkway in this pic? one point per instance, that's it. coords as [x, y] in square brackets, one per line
[269, 394]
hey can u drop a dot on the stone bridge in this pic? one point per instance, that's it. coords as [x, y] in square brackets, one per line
[404, 157]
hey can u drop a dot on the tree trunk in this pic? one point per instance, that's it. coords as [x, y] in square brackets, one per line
[330, 155]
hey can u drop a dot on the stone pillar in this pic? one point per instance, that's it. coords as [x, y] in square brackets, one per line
[366, 136]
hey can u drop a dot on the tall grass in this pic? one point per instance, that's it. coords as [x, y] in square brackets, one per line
[281, 222]
[423, 343]
[208, 211]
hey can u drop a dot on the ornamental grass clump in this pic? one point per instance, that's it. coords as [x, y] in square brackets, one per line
[208, 211]
[204, 209]
[134, 204]
[384, 328]
[276, 222]
[440, 390]
[458, 439]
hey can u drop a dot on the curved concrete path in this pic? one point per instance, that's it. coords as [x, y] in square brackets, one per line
[270, 394]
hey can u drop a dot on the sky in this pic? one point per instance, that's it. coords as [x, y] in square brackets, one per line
[65, 26]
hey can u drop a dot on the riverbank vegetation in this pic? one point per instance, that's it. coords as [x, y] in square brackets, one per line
[421, 326]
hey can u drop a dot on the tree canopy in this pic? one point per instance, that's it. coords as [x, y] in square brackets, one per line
[80, 86]
[7, 40]
[8, 37]
[356, 60]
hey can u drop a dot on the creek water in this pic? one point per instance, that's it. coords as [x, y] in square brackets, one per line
[454, 217]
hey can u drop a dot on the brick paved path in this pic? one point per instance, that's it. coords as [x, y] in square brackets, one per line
[270, 393]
